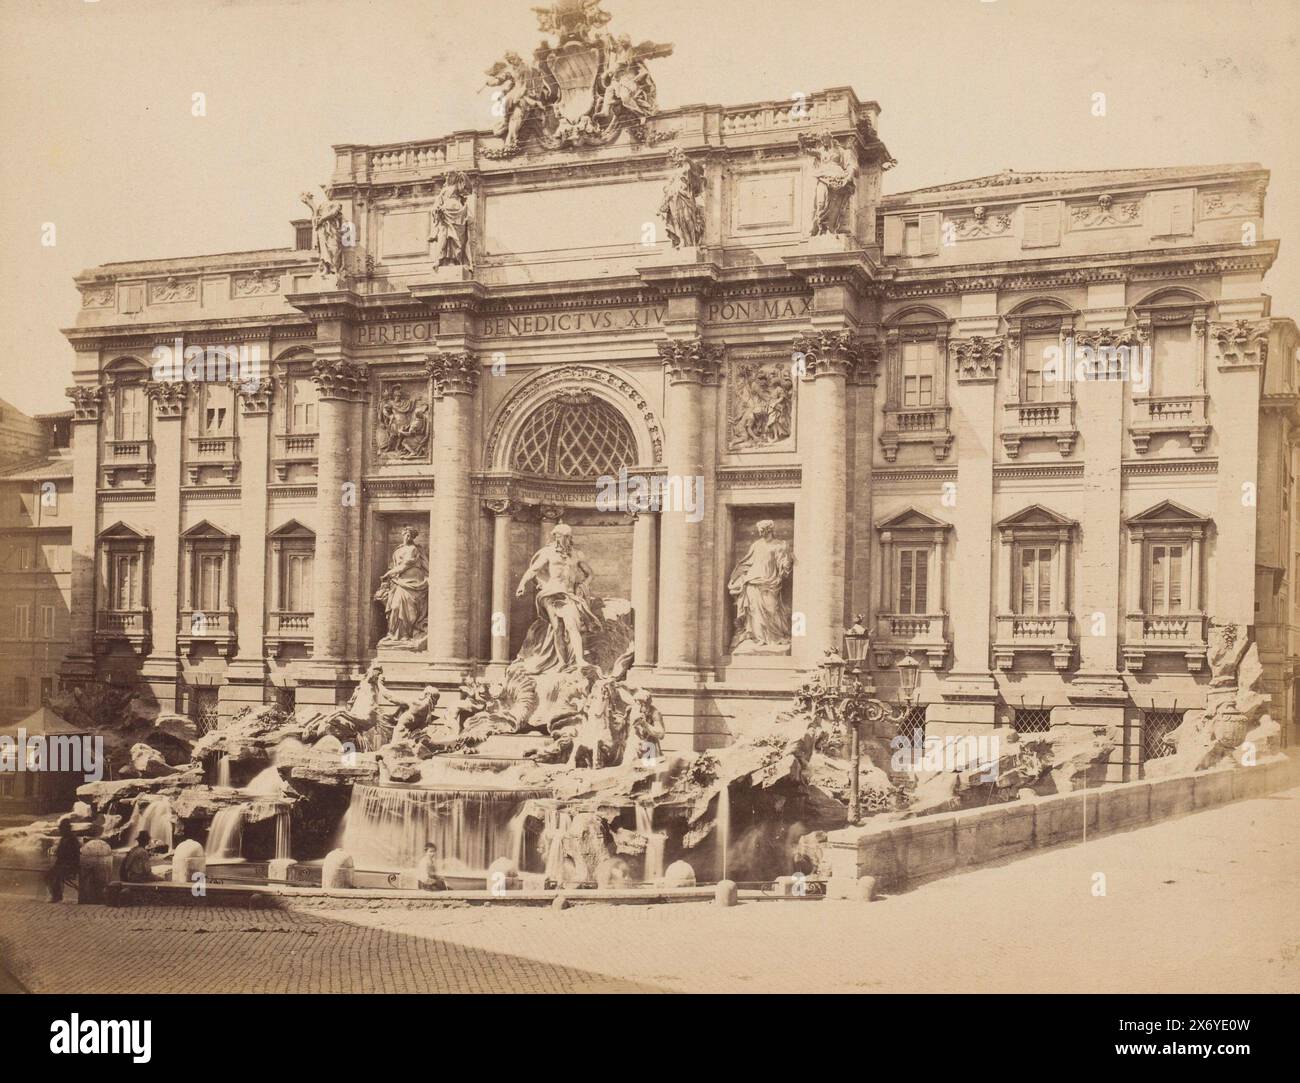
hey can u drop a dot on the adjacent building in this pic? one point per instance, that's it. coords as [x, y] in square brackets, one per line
[1038, 429]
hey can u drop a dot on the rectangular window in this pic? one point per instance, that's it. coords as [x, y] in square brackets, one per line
[1036, 384]
[47, 690]
[47, 622]
[913, 581]
[208, 581]
[302, 406]
[1035, 587]
[297, 582]
[22, 621]
[918, 374]
[125, 588]
[21, 692]
[1173, 358]
[132, 421]
[1166, 579]
[214, 419]
[24, 558]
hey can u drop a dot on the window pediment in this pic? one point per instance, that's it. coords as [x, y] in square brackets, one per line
[1167, 513]
[912, 519]
[1035, 518]
[121, 531]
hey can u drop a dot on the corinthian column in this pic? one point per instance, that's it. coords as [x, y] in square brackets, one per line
[825, 359]
[688, 363]
[502, 519]
[455, 378]
[340, 385]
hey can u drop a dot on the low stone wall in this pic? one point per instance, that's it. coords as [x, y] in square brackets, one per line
[898, 853]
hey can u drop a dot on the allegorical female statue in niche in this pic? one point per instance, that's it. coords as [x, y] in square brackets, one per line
[404, 593]
[758, 585]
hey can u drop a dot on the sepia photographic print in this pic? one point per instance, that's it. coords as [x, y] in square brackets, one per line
[640, 496]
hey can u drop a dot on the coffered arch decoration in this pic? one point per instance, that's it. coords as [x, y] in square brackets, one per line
[574, 423]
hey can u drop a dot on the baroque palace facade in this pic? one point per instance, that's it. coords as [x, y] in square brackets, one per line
[470, 332]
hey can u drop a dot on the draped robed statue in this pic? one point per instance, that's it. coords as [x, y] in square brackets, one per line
[758, 585]
[404, 593]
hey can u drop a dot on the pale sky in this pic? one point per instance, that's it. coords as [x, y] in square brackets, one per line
[95, 108]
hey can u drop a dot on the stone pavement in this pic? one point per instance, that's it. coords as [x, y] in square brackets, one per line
[1199, 904]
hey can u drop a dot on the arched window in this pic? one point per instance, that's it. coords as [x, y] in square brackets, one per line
[574, 436]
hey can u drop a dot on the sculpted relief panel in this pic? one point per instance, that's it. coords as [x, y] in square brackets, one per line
[402, 421]
[760, 406]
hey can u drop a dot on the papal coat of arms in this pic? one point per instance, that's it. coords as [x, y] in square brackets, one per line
[581, 91]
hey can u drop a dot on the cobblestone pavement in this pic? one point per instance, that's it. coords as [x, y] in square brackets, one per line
[1203, 903]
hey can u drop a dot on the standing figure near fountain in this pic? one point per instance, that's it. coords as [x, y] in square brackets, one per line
[758, 585]
[560, 572]
[404, 592]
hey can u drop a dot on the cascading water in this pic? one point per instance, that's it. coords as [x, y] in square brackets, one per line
[223, 769]
[155, 816]
[387, 826]
[226, 835]
[282, 834]
[266, 783]
[655, 840]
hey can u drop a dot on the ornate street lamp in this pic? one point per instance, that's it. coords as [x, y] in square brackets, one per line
[852, 702]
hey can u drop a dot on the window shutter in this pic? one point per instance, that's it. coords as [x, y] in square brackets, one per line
[905, 581]
[1157, 601]
[893, 235]
[921, 599]
[1044, 580]
[930, 233]
[1175, 579]
[1041, 225]
[1026, 581]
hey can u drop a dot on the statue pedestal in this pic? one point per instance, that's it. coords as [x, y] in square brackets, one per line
[674, 257]
[450, 272]
[830, 242]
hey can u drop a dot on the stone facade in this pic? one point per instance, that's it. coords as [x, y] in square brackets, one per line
[470, 332]
[36, 513]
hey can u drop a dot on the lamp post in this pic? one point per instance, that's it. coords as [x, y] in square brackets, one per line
[853, 702]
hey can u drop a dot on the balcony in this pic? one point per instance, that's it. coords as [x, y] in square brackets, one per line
[916, 425]
[1169, 415]
[222, 451]
[133, 627]
[1019, 634]
[207, 626]
[285, 627]
[124, 455]
[903, 633]
[292, 448]
[1039, 421]
[1171, 634]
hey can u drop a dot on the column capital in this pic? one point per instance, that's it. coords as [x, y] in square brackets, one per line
[978, 358]
[339, 378]
[453, 372]
[833, 353]
[691, 360]
[254, 395]
[86, 400]
[168, 397]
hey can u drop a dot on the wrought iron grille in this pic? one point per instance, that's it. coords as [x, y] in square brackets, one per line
[203, 709]
[1032, 719]
[912, 724]
[574, 436]
[1156, 727]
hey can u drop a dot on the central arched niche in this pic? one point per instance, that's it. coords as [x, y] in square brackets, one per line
[566, 439]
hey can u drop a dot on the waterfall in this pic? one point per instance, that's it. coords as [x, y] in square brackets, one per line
[223, 769]
[558, 826]
[655, 840]
[226, 835]
[153, 815]
[387, 826]
[282, 835]
[266, 783]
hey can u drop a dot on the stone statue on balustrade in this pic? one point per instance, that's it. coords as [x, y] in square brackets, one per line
[451, 223]
[758, 584]
[834, 174]
[404, 593]
[331, 233]
[681, 210]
